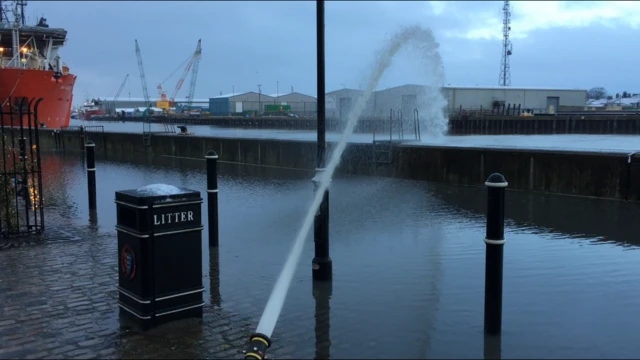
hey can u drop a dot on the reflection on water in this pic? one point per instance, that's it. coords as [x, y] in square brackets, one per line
[322, 292]
[214, 276]
[408, 261]
[492, 347]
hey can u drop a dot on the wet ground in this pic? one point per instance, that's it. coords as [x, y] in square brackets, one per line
[609, 143]
[408, 271]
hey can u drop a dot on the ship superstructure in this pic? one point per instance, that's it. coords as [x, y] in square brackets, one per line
[31, 65]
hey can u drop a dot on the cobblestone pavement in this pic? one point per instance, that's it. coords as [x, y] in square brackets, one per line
[58, 300]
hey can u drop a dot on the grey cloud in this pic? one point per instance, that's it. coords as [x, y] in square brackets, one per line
[250, 43]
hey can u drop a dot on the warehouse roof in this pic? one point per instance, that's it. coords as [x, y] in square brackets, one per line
[227, 95]
[291, 93]
[508, 88]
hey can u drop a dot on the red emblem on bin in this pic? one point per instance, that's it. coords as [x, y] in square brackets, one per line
[128, 262]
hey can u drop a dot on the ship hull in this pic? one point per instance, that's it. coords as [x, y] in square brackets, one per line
[54, 110]
[89, 114]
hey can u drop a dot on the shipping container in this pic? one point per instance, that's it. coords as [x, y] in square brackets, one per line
[277, 108]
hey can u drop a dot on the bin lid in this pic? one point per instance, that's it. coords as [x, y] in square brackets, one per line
[156, 193]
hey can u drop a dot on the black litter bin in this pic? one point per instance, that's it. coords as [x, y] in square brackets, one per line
[159, 254]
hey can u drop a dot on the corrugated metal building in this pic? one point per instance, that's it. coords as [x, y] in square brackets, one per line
[340, 102]
[407, 98]
[301, 104]
[474, 97]
[225, 105]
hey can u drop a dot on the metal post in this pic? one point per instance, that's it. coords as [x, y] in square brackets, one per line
[322, 292]
[212, 196]
[214, 276]
[496, 185]
[321, 263]
[91, 173]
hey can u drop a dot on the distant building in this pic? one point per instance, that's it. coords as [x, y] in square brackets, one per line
[632, 102]
[250, 102]
[338, 103]
[400, 99]
[539, 99]
[406, 98]
[109, 106]
[301, 104]
[238, 103]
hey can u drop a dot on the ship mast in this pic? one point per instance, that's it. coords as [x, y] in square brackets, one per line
[4, 14]
[20, 5]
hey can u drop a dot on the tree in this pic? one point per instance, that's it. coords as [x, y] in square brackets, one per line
[609, 97]
[597, 93]
[625, 94]
[617, 95]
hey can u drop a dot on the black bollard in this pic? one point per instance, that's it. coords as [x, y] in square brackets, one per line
[496, 185]
[91, 173]
[214, 276]
[257, 348]
[212, 196]
[321, 263]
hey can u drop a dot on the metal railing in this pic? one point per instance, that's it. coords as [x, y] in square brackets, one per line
[21, 204]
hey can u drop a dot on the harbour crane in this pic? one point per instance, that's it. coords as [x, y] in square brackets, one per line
[172, 99]
[115, 98]
[143, 80]
[194, 74]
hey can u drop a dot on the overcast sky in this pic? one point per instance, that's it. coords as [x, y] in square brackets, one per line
[563, 44]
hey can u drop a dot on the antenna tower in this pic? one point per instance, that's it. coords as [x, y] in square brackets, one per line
[505, 69]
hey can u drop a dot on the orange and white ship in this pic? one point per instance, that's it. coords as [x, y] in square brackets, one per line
[90, 108]
[31, 66]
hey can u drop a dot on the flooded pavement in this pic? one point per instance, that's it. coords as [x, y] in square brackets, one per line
[408, 263]
[606, 143]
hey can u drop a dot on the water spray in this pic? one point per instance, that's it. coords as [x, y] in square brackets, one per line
[423, 39]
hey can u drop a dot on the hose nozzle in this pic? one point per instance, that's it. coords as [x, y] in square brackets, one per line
[257, 348]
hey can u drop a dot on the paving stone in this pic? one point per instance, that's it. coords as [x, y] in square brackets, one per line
[61, 302]
[38, 355]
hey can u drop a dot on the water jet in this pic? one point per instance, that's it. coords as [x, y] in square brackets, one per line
[423, 40]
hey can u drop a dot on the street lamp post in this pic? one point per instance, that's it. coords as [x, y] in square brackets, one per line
[259, 98]
[321, 263]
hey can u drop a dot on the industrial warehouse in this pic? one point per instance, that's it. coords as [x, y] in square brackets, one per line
[340, 102]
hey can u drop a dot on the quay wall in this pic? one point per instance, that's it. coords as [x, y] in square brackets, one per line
[593, 174]
[550, 124]
[458, 125]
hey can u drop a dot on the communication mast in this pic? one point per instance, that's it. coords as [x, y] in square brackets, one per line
[505, 69]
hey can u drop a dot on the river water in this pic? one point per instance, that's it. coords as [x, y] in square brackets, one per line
[408, 261]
